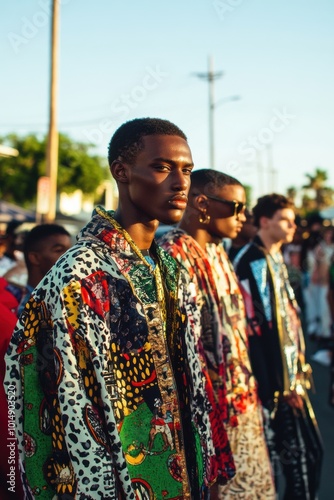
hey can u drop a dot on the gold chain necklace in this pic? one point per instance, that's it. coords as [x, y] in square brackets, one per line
[154, 269]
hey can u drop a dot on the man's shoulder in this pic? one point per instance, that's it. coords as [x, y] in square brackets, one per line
[80, 262]
[248, 254]
[171, 237]
[164, 254]
[178, 242]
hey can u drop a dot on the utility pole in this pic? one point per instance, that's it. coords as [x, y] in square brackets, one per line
[210, 76]
[271, 169]
[53, 139]
[260, 173]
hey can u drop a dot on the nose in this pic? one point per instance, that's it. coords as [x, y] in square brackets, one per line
[242, 217]
[180, 180]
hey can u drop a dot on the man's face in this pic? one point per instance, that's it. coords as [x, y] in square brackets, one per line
[281, 227]
[159, 179]
[50, 250]
[224, 223]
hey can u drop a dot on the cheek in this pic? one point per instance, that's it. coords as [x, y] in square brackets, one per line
[226, 227]
[145, 190]
[284, 229]
[48, 262]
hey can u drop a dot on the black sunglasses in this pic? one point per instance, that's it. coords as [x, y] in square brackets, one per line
[237, 206]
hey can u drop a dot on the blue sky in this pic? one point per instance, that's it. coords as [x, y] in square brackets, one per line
[121, 60]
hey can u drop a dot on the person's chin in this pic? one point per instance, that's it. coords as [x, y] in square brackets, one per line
[289, 238]
[171, 217]
[232, 235]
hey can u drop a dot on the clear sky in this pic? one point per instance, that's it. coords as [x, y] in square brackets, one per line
[122, 60]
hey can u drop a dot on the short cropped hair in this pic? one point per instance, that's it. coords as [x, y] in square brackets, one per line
[127, 141]
[267, 205]
[37, 235]
[207, 180]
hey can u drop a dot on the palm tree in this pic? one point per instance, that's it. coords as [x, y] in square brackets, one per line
[317, 182]
[291, 193]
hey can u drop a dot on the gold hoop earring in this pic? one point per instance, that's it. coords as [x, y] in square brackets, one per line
[204, 218]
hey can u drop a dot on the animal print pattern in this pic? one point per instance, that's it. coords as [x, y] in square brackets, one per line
[93, 420]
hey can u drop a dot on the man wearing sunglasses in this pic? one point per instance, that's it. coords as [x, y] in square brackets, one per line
[277, 348]
[215, 211]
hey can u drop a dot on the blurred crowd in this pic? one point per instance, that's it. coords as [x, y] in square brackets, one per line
[310, 261]
[25, 257]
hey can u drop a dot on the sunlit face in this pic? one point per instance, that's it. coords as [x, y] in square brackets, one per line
[281, 227]
[51, 249]
[159, 179]
[224, 222]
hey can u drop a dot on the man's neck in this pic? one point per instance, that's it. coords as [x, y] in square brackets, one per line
[271, 246]
[199, 234]
[142, 234]
[34, 279]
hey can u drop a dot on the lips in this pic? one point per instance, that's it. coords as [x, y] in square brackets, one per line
[179, 202]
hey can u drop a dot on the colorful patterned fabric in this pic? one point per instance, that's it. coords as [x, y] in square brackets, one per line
[211, 341]
[109, 387]
[240, 381]
[254, 479]
[224, 322]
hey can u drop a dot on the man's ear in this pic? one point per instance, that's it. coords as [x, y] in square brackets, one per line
[263, 222]
[201, 202]
[33, 258]
[119, 171]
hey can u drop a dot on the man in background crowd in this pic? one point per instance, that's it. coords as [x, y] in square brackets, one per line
[42, 246]
[277, 348]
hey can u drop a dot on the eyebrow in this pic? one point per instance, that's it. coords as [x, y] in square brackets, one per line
[172, 162]
[58, 245]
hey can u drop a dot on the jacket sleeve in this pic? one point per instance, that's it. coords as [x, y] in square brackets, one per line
[68, 438]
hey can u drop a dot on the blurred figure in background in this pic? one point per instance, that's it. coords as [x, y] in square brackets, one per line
[245, 235]
[331, 307]
[277, 349]
[43, 245]
[292, 255]
[318, 317]
[9, 257]
[18, 272]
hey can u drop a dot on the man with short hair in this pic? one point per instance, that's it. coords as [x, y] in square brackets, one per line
[215, 211]
[277, 347]
[43, 245]
[117, 406]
